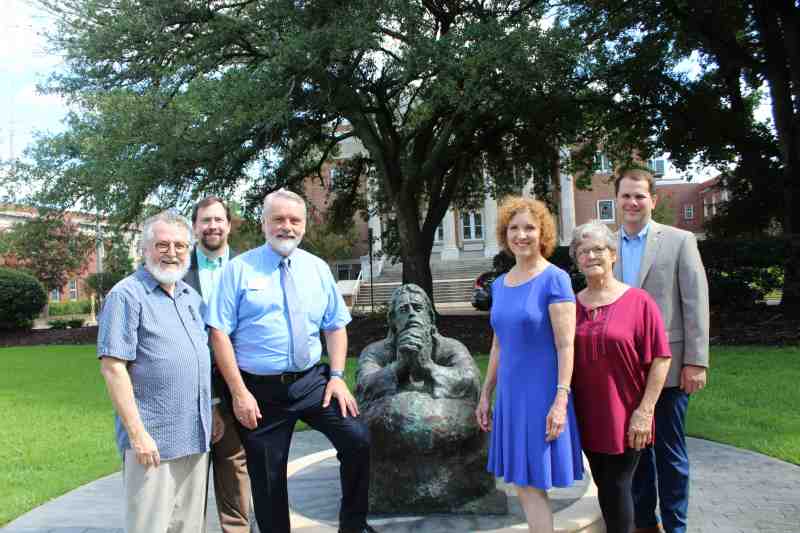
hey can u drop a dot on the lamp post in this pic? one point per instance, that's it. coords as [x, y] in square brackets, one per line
[371, 280]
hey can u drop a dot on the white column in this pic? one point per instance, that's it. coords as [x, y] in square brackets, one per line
[490, 247]
[449, 248]
[374, 223]
[567, 208]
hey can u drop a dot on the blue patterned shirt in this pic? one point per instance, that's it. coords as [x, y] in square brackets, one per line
[249, 307]
[165, 343]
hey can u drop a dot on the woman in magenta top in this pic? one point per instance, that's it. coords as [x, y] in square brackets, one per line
[621, 361]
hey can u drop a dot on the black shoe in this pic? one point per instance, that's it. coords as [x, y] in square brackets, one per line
[366, 528]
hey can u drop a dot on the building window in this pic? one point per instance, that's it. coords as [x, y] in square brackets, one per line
[471, 225]
[55, 295]
[605, 210]
[602, 163]
[657, 166]
[688, 212]
[707, 207]
[73, 289]
[439, 235]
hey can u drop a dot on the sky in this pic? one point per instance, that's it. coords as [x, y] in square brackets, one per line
[24, 63]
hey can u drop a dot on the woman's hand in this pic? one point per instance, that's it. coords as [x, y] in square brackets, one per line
[483, 413]
[640, 429]
[556, 417]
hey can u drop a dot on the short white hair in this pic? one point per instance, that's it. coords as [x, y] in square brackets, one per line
[171, 217]
[285, 194]
[594, 229]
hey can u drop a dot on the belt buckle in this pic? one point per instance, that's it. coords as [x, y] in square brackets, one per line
[288, 379]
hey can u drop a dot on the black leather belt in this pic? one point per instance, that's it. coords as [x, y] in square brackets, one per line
[287, 378]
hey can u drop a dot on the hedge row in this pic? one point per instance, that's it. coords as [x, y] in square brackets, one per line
[74, 307]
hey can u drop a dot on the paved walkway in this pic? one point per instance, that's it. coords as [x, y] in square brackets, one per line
[733, 491]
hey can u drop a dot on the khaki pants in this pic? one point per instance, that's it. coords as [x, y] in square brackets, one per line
[170, 498]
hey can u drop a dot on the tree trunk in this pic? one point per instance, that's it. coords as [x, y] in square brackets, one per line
[791, 274]
[417, 270]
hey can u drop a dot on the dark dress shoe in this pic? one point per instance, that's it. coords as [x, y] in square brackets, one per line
[366, 528]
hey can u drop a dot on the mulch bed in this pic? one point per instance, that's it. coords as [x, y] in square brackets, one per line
[764, 325]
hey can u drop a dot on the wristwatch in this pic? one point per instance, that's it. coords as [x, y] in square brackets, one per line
[337, 374]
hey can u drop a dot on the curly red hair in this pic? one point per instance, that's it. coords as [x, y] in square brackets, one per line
[511, 205]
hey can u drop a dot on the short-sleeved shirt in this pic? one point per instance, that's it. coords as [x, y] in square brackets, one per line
[249, 307]
[613, 352]
[165, 342]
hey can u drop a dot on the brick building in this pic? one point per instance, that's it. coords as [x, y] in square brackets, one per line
[75, 288]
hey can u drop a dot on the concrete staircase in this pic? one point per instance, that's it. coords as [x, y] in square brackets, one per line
[452, 281]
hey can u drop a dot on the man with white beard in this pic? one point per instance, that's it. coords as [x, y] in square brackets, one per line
[265, 319]
[154, 356]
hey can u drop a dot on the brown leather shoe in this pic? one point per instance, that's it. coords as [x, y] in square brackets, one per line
[654, 529]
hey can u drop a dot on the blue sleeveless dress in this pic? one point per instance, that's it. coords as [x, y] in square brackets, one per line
[526, 386]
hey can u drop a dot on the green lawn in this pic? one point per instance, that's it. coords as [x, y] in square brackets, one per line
[56, 425]
[56, 422]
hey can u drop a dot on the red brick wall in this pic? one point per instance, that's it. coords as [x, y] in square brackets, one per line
[679, 196]
[318, 196]
[586, 201]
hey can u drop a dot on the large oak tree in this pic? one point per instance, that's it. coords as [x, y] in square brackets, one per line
[178, 98]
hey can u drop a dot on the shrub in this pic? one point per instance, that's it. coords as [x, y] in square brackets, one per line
[58, 324]
[22, 298]
[741, 272]
[75, 323]
[74, 307]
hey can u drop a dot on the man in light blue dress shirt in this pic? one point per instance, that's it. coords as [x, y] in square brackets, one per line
[265, 319]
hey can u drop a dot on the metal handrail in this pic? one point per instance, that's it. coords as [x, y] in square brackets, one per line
[356, 288]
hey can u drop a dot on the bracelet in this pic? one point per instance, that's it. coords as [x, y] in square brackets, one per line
[337, 374]
[565, 388]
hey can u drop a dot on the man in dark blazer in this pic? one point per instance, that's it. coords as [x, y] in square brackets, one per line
[665, 262]
[211, 222]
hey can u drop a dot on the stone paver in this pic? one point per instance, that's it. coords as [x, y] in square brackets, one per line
[733, 491]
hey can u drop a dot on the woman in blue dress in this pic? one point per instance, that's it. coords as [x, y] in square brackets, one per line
[534, 434]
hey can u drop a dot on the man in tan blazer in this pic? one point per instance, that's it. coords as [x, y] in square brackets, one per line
[665, 262]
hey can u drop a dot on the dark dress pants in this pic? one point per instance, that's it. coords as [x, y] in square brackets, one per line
[267, 447]
[613, 475]
[663, 473]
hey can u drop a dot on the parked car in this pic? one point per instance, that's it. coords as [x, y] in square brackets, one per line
[482, 291]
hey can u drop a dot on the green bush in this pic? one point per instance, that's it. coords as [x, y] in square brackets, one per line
[741, 272]
[75, 323]
[74, 307]
[58, 324]
[22, 298]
